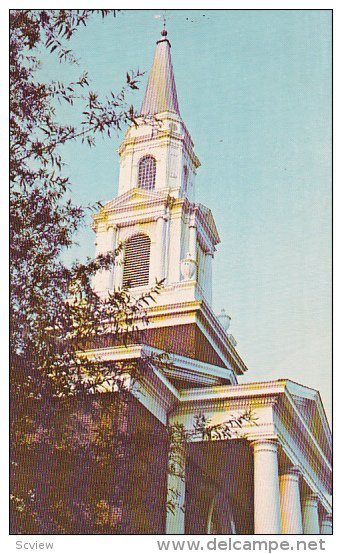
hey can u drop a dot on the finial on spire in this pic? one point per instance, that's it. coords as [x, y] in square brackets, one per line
[164, 31]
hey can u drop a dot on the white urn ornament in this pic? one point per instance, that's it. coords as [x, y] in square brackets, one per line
[224, 319]
[188, 267]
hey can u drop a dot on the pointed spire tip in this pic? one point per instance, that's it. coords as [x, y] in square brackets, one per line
[160, 95]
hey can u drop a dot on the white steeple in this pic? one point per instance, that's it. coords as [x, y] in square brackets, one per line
[164, 234]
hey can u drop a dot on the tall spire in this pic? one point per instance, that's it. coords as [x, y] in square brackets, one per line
[161, 94]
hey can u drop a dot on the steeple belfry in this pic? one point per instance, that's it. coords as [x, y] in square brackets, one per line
[161, 94]
[157, 152]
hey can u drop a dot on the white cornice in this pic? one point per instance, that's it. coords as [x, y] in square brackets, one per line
[163, 137]
[182, 364]
[247, 390]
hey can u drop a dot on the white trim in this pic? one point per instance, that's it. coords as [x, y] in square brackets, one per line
[120, 353]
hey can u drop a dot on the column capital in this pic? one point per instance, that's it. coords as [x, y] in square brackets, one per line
[291, 472]
[265, 444]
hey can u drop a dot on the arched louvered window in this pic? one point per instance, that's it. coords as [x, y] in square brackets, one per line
[147, 173]
[137, 261]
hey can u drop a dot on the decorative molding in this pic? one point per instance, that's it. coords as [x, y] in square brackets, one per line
[262, 444]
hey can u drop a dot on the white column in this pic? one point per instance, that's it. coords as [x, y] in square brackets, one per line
[310, 515]
[160, 250]
[175, 518]
[267, 518]
[290, 507]
[326, 525]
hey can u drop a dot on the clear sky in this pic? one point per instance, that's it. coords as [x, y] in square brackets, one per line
[254, 91]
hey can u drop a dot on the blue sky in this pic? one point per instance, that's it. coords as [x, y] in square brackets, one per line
[254, 91]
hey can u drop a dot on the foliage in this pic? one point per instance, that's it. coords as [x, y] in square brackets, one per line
[53, 307]
[180, 437]
[43, 219]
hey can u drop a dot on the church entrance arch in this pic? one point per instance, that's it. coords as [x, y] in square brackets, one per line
[220, 517]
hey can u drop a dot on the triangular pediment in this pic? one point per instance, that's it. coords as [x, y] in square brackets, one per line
[305, 406]
[135, 197]
[310, 407]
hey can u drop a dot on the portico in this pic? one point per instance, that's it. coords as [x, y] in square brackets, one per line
[288, 497]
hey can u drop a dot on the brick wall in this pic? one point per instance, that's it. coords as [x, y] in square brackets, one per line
[89, 465]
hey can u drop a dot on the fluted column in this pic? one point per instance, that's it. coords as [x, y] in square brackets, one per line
[267, 519]
[310, 515]
[326, 525]
[290, 506]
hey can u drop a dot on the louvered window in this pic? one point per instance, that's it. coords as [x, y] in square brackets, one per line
[147, 173]
[137, 261]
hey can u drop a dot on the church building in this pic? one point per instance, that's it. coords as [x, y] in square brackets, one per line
[272, 475]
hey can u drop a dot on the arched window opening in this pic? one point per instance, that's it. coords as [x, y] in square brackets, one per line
[137, 261]
[147, 173]
[220, 520]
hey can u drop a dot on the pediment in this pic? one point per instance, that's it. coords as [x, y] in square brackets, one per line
[134, 197]
[306, 407]
[309, 405]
